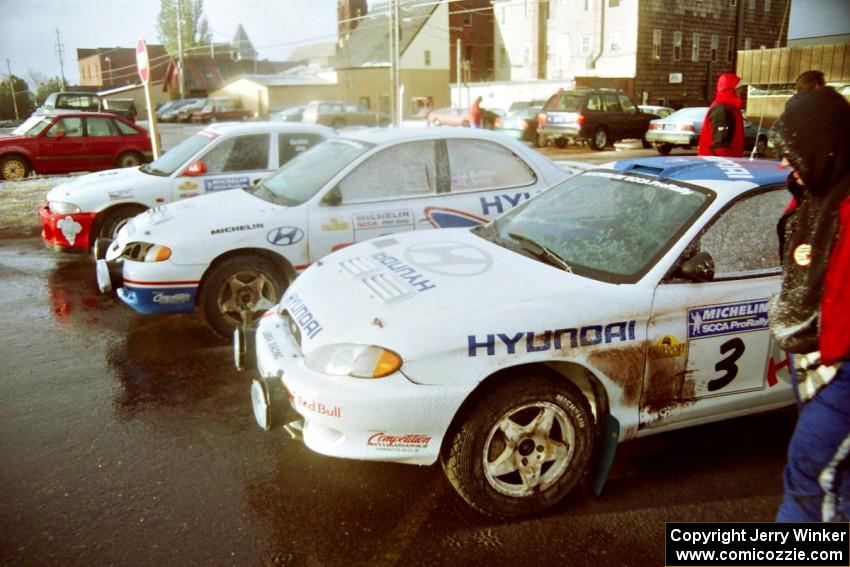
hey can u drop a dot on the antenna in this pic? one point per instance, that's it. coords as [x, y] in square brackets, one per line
[59, 49]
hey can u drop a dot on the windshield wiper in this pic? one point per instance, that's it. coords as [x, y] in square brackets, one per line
[541, 251]
[146, 168]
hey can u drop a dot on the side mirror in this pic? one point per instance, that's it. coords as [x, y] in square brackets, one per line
[698, 268]
[195, 169]
[333, 197]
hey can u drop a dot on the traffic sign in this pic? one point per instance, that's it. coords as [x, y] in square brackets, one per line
[142, 61]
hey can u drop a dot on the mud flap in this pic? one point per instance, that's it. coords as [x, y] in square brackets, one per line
[609, 440]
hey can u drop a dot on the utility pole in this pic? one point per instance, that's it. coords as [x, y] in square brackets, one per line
[457, 73]
[391, 58]
[396, 65]
[59, 49]
[180, 49]
[12, 89]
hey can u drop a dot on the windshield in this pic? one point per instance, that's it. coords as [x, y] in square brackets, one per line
[564, 102]
[302, 176]
[604, 224]
[177, 156]
[33, 126]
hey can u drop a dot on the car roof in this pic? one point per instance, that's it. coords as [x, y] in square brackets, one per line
[390, 135]
[72, 112]
[709, 171]
[222, 128]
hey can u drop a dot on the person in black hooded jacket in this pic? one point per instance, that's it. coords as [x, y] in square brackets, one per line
[810, 317]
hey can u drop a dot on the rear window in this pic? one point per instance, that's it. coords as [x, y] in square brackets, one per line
[565, 102]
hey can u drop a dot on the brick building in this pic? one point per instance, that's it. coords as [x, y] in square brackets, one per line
[471, 23]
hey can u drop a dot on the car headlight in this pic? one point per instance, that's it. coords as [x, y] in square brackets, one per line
[63, 208]
[146, 252]
[359, 361]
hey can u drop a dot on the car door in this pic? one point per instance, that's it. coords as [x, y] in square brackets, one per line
[613, 116]
[63, 147]
[385, 194]
[634, 123]
[103, 141]
[232, 162]
[710, 350]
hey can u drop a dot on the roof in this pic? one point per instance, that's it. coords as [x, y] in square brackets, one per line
[390, 135]
[368, 43]
[325, 49]
[224, 128]
[285, 80]
[244, 47]
[705, 170]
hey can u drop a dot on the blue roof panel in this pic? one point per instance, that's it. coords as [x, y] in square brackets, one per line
[693, 169]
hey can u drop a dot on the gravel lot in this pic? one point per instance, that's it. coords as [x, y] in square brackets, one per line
[19, 203]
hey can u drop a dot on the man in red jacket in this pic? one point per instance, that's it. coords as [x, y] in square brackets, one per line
[722, 131]
[810, 316]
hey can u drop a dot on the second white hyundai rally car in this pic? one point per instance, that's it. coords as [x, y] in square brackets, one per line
[625, 301]
[234, 253]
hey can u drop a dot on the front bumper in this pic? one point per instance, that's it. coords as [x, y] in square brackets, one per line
[66, 232]
[155, 287]
[386, 419]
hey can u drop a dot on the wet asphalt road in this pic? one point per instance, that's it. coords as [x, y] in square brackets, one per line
[128, 440]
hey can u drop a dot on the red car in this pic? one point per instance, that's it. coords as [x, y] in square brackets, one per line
[63, 142]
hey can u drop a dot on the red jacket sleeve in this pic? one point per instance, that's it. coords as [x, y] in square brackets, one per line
[835, 303]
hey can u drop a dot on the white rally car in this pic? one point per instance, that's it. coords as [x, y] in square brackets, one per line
[234, 253]
[220, 157]
[627, 300]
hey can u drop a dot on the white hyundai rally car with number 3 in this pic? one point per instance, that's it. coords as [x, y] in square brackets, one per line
[220, 157]
[627, 300]
[235, 253]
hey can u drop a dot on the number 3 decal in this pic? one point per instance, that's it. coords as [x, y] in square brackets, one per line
[727, 365]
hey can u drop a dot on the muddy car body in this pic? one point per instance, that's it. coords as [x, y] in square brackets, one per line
[628, 300]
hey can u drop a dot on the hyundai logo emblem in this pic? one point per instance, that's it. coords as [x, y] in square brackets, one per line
[285, 235]
[449, 258]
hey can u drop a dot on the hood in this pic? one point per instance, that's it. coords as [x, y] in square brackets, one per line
[814, 134]
[409, 292]
[727, 81]
[95, 187]
[187, 227]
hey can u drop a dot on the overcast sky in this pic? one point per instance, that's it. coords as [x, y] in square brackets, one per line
[28, 28]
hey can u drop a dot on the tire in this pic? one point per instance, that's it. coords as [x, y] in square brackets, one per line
[664, 149]
[114, 219]
[129, 159]
[560, 143]
[338, 123]
[646, 145]
[238, 291]
[499, 427]
[761, 145]
[13, 168]
[599, 139]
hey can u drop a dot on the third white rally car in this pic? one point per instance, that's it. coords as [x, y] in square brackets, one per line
[233, 253]
[627, 300]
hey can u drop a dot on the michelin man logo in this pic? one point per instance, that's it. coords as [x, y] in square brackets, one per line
[70, 229]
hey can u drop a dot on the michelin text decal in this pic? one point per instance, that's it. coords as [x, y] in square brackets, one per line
[559, 339]
[714, 320]
[239, 228]
[225, 184]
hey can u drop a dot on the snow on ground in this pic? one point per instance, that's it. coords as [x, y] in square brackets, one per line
[19, 204]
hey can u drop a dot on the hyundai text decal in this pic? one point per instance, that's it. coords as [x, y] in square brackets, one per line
[240, 228]
[726, 319]
[501, 203]
[731, 169]
[416, 280]
[284, 235]
[302, 315]
[558, 339]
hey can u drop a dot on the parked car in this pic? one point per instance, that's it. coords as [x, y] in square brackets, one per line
[625, 301]
[681, 129]
[220, 157]
[339, 114]
[184, 113]
[520, 124]
[87, 102]
[288, 114]
[598, 117]
[233, 254]
[68, 141]
[169, 112]
[523, 104]
[220, 109]
[456, 116]
[660, 111]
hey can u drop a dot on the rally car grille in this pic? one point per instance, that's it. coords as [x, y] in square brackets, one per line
[387, 288]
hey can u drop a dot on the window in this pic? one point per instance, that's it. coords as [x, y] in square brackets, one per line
[502, 18]
[240, 153]
[730, 42]
[627, 104]
[526, 54]
[613, 3]
[405, 170]
[594, 104]
[614, 40]
[715, 42]
[99, 126]
[733, 3]
[695, 48]
[124, 129]
[503, 56]
[610, 102]
[767, 5]
[467, 19]
[585, 45]
[677, 45]
[471, 166]
[71, 127]
[656, 44]
[290, 145]
[427, 57]
[748, 43]
[752, 4]
[751, 220]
